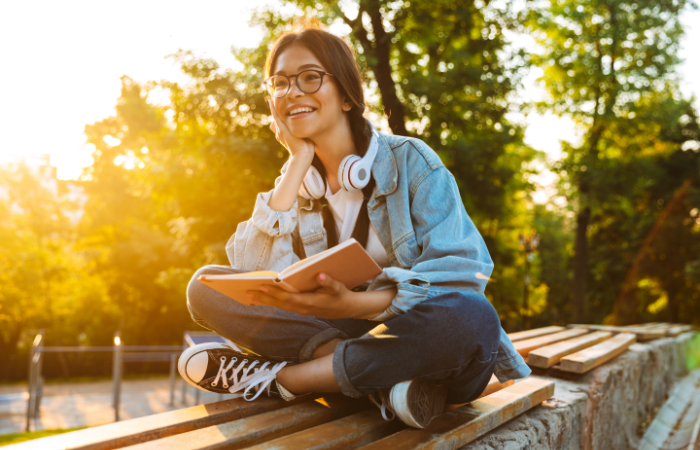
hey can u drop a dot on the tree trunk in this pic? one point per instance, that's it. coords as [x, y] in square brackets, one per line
[378, 56]
[581, 265]
[672, 307]
[393, 108]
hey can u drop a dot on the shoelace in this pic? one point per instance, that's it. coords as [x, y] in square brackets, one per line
[258, 381]
[383, 397]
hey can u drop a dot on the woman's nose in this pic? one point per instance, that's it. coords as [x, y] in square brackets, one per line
[294, 90]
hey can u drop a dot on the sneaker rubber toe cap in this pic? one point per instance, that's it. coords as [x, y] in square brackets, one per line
[197, 366]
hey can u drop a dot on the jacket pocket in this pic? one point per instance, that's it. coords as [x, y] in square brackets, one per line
[407, 251]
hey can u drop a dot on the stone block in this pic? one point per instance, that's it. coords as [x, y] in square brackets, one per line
[605, 409]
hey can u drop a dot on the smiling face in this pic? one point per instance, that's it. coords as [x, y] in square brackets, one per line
[308, 115]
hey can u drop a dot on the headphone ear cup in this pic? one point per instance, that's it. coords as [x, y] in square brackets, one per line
[359, 173]
[354, 172]
[344, 172]
[312, 186]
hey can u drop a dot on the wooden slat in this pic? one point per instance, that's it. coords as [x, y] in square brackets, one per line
[495, 386]
[529, 334]
[669, 329]
[585, 360]
[648, 325]
[459, 427]
[547, 356]
[259, 428]
[349, 432]
[526, 346]
[158, 426]
[679, 329]
[642, 334]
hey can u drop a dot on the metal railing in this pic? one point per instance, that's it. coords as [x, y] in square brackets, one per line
[121, 355]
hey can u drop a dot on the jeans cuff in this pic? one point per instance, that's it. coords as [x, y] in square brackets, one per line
[341, 376]
[307, 351]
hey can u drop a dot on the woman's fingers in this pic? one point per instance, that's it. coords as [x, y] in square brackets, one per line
[278, 127]
[273, 128]
[328, 284]
[279, 298]
[268, 294]
[279, 124]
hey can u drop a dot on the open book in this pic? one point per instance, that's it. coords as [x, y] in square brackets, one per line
[348, 263]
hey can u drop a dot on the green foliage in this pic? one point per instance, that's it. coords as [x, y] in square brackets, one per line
[693, 357]
[440, 69]
[610, 66]
[554, 251]
[169, 183]
[44, 282]
[166, 198]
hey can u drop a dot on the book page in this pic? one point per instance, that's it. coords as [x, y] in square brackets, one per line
[263, 274]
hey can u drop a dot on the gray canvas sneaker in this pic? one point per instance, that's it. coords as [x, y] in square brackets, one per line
[216, 367]
[416, 402]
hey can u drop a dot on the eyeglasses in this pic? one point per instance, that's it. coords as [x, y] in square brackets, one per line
[308, 82]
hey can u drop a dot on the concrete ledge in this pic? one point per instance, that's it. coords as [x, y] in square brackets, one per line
[604, 409]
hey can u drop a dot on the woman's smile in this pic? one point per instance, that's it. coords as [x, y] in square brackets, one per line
[300, 111]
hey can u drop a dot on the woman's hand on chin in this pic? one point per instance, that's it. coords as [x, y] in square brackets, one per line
[296, 147]
[331, 301]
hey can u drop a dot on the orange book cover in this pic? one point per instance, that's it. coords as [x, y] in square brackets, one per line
[348, 263]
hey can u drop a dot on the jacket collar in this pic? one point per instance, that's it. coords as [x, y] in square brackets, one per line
[384, 167]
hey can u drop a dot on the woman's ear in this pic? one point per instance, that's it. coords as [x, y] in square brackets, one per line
[347, 105]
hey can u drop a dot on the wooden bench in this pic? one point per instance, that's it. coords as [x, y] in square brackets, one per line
[334, 421]
[327, 422]
[581, 348]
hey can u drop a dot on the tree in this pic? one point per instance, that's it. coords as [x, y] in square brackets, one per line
[440, 71]
[45, 283]
[169, 186]
[603, 60]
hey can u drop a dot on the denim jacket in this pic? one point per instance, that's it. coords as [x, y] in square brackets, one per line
[416, 210]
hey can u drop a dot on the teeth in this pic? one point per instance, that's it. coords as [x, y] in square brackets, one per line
[300, 110]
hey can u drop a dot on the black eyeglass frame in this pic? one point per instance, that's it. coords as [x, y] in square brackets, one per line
[296, 80]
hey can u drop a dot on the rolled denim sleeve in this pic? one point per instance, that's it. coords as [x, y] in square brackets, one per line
[265, 242]
[451, 252]
[271, 222]
[412, 289]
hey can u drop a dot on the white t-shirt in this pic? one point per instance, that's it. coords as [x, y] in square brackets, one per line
[345, 207]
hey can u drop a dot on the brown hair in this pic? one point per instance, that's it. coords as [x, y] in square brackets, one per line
[336, 55]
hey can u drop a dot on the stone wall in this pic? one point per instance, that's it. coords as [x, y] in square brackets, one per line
[604, 409]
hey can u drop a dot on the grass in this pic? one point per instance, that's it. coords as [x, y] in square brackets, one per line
[693, 356]
[14, 438]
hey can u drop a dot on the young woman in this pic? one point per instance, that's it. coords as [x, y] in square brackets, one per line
[423, 333]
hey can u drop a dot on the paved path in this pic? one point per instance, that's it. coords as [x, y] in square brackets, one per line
[88, 404]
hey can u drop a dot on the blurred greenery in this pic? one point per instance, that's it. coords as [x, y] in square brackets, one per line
[693, 360]
[14, 438]
[170, 182]
[610, 66]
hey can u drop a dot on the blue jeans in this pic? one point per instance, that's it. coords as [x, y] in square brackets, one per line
[451, 338]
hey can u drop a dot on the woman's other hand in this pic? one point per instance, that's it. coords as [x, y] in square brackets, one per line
[331, 301]
[297, 148]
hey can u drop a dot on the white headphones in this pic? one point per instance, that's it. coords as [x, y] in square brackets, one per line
[354, 173]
